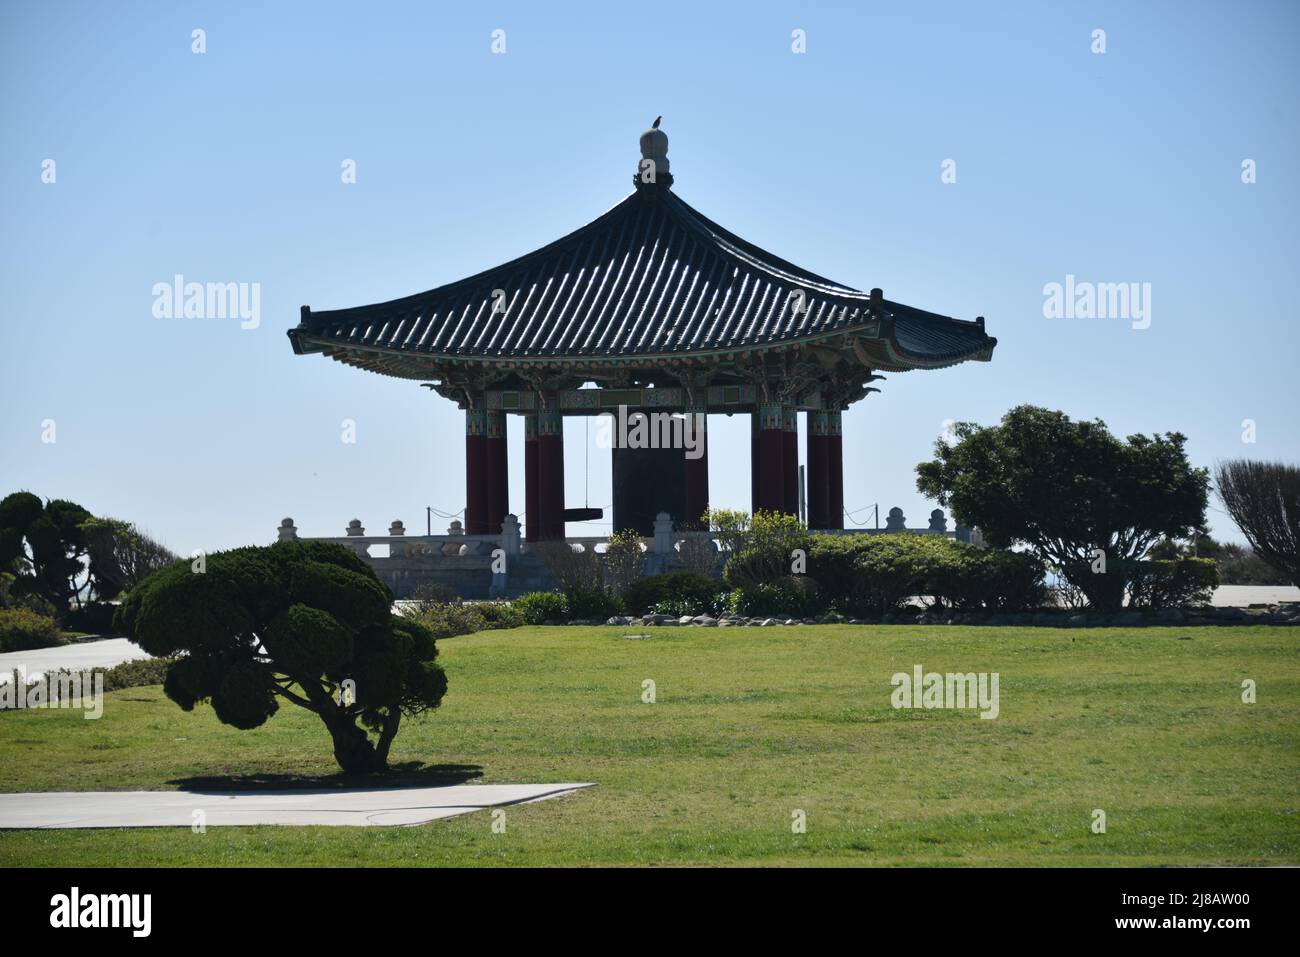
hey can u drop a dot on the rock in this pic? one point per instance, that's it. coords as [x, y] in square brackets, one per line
[1169, 616]
[705, 621]
[618, 620]
[726, 623]
[1127, 619]
[1076, 621]
[767, 623]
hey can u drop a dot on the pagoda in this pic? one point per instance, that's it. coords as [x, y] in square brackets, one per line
[651, 307]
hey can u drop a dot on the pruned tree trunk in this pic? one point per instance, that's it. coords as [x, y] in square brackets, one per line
[386, 735]
[353, 749]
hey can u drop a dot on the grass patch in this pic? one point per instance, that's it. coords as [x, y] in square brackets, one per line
[749, 725]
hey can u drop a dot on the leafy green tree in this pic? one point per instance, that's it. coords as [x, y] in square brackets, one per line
[1067, 489]
[304, 622]
[43, 546]
[120, 556]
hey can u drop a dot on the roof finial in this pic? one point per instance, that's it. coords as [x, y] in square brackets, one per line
[653, 168]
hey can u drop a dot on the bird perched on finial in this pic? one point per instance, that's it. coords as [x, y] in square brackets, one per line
[655, 124]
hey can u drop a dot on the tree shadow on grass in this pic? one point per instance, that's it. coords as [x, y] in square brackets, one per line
[408, 774]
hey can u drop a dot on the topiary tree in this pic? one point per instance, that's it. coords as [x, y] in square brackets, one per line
[302, 622]
[1263, 498]
[1068, 488]
[43, 545]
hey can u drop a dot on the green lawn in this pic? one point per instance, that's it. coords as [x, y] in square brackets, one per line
[751, 724]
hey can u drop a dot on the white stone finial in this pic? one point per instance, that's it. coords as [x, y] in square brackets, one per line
[654, 149]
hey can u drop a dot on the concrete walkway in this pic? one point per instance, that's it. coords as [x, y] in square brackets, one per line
[354, 807]
[1243, 596]
[76, 657]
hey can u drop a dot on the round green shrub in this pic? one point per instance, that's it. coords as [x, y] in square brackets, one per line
[543, 607]
[694, 591]
[23, 630]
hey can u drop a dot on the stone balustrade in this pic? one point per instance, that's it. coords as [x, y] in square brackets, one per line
[504, 565]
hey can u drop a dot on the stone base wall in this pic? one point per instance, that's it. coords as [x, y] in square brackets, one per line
[472, 577]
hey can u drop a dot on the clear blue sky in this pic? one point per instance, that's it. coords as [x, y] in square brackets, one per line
[225, 167]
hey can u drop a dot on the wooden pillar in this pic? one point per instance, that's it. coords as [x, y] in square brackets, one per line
[550, 468]
[496, 466]
[476, 487]
[532, 515]
[790, 459]
[753, 461]
[771, 457]
[697, 469]
[819, 488]
[834, 470]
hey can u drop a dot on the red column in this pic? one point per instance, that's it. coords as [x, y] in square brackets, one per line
[550, 468]
[476, 489]
[697, 469]
[818, 471]
[532, 515]
[790, 459]
[834, 470]
[771, 457]
[754, 470]
[496, 465]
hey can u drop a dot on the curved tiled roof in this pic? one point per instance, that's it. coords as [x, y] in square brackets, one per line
[650, 278]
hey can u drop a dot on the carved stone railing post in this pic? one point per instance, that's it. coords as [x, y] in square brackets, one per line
[663, 529]
[895, 521]
[287, 532]
[354, 530]
[455, 528]
[938, 522]
[397, 550]
[510, 538]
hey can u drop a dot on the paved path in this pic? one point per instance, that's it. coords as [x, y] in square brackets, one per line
[1242, 596]
[84, 654]
[358, 807]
